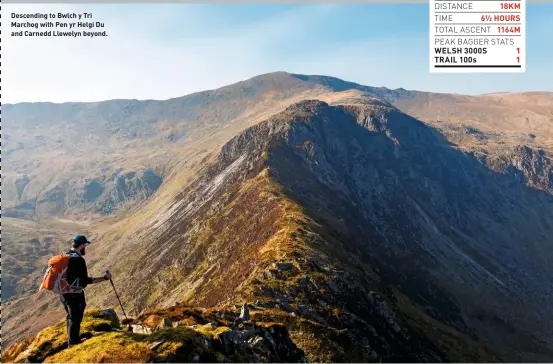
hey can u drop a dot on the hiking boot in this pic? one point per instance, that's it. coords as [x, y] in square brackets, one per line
[77, 343]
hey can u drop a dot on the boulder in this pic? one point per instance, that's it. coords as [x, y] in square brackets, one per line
[139, 329]
[111, 315]
[245, 313]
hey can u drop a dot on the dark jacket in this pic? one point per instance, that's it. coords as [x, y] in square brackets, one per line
[77, 274]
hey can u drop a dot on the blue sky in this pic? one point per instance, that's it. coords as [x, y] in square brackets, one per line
[168, 50]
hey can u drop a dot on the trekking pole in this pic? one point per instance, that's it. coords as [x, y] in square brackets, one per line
[118, 299]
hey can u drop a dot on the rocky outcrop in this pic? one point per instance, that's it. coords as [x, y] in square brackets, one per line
[531, 167]
[102, 195]
[127, 187]
[20, 185]
[105, 341]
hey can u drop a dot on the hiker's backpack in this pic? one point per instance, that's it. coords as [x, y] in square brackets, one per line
[55, 278]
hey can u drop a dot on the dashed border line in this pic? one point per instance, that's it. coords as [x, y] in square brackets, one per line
[0, 178]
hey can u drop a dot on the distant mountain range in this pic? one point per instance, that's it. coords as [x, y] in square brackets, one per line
[376, 224]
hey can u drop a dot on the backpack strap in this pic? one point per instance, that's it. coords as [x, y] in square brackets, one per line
[74, 287]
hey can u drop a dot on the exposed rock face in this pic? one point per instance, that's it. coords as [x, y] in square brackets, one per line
[533, 168]
[424, 213]
[128, 187]
[20, 185]
[103, 195]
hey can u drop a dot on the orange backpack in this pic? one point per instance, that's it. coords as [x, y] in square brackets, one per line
[55, 278]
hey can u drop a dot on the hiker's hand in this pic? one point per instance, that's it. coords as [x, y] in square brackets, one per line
[107, 276]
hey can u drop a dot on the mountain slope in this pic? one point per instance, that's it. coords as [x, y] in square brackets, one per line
[68, 159]
[364, 230]
[322, 208]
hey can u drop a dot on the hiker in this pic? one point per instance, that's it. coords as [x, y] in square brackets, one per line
[74, 302]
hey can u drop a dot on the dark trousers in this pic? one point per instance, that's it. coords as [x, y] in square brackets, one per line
[74, 305]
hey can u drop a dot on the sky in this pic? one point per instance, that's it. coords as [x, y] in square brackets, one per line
[159, 51]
